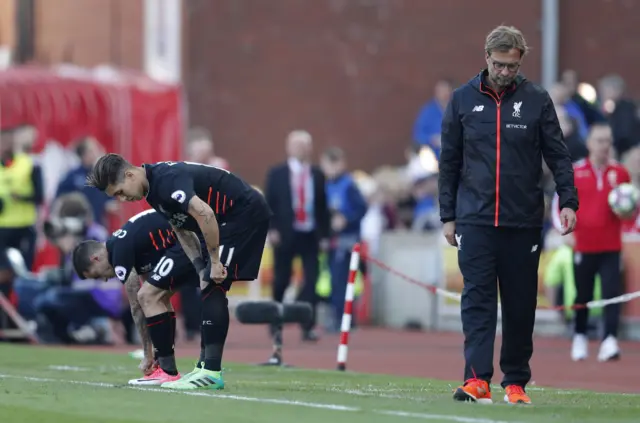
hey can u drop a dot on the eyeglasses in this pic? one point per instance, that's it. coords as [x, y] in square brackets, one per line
[511, 67]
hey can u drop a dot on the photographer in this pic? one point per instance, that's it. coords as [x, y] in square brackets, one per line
[69, 306]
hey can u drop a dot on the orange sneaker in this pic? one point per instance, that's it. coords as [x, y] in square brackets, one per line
[516, 395]
[474, 390]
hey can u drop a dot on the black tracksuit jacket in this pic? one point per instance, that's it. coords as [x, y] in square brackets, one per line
[491, 155]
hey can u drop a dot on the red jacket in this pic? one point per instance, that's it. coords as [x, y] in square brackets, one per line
[598, 229]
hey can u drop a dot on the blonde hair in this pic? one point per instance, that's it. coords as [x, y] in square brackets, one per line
[505, 38]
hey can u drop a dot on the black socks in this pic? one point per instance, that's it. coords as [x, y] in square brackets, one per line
[215, 325]
[161, 331]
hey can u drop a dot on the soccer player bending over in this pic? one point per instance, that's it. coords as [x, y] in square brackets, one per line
[221, 223]
[145, 247]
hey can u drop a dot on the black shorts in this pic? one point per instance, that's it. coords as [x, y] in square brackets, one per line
[173, 270]
[241, 249]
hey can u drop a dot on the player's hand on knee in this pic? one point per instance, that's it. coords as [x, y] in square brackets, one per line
[449, 232]
[218, 272]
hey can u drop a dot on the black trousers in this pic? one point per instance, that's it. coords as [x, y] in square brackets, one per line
[507, 258]
[608, 266]
[304, 244]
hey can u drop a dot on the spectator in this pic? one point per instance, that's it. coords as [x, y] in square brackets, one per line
[25, 137]
[70, 307]
[426, 129]
[631, 161]
[347, 207]
[620, 112]
[375, 220]
[561, 98]
[200, 149]
[575, 143]
[88, 150]
[589, 111]
[295, 191]
[560, 282]
[426, 214]
[598, 241]
[21, 192]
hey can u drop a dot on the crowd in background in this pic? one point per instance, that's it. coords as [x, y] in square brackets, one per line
[65, 309]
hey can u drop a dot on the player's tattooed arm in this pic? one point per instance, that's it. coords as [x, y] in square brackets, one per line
[189, 242]
[208, 223]
[132, 286]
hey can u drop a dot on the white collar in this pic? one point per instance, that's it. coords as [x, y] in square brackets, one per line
[296, 165]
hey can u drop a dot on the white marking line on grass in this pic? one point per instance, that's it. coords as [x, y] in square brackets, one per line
[438, 417]
[335, 407]
[69, 368]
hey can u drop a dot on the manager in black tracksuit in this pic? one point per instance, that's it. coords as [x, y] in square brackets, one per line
[495, 132]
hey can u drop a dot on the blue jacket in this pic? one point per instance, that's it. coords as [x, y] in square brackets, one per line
[74, 181]
[344, 197]
[427, 124]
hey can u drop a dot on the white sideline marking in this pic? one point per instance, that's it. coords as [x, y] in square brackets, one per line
[69, 368]
[335, 407]
[438, 417]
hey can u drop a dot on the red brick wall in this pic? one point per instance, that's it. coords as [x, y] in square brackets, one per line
[352, 72]
[595, 49]
[89, 32]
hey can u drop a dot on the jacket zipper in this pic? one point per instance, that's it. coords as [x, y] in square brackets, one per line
[498, 99]
[495, 221]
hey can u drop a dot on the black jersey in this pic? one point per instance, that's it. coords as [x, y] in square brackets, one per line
[173, 184]
[139, 244]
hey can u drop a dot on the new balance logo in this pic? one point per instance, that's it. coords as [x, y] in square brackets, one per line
[534, 248]
[478, 109]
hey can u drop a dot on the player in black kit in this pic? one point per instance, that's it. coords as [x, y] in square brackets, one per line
[144, 248]
[202, 203]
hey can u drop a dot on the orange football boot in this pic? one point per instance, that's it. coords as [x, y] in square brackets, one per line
[474, 390]
[516, 395]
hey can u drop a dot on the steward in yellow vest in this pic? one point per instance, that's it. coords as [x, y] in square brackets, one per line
[17, 192]
[21, 191]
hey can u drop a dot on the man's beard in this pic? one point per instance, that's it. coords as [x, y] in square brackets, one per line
[502, 81]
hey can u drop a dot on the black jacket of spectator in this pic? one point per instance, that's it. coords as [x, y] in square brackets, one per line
[625, 126]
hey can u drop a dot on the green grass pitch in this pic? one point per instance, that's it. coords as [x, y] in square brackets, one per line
[55, 385]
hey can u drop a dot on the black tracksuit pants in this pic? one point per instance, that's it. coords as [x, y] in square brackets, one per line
[507, 258]
[608, 266]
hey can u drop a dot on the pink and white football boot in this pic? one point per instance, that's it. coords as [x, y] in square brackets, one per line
[157, 377]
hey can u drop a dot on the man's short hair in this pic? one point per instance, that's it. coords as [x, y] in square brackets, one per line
[595, 126]
[81, 256]
[83, 145]
[108, 170]
[73, 204]
[505, 38]
[300, 134]
[334, 154]
[614, 81]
